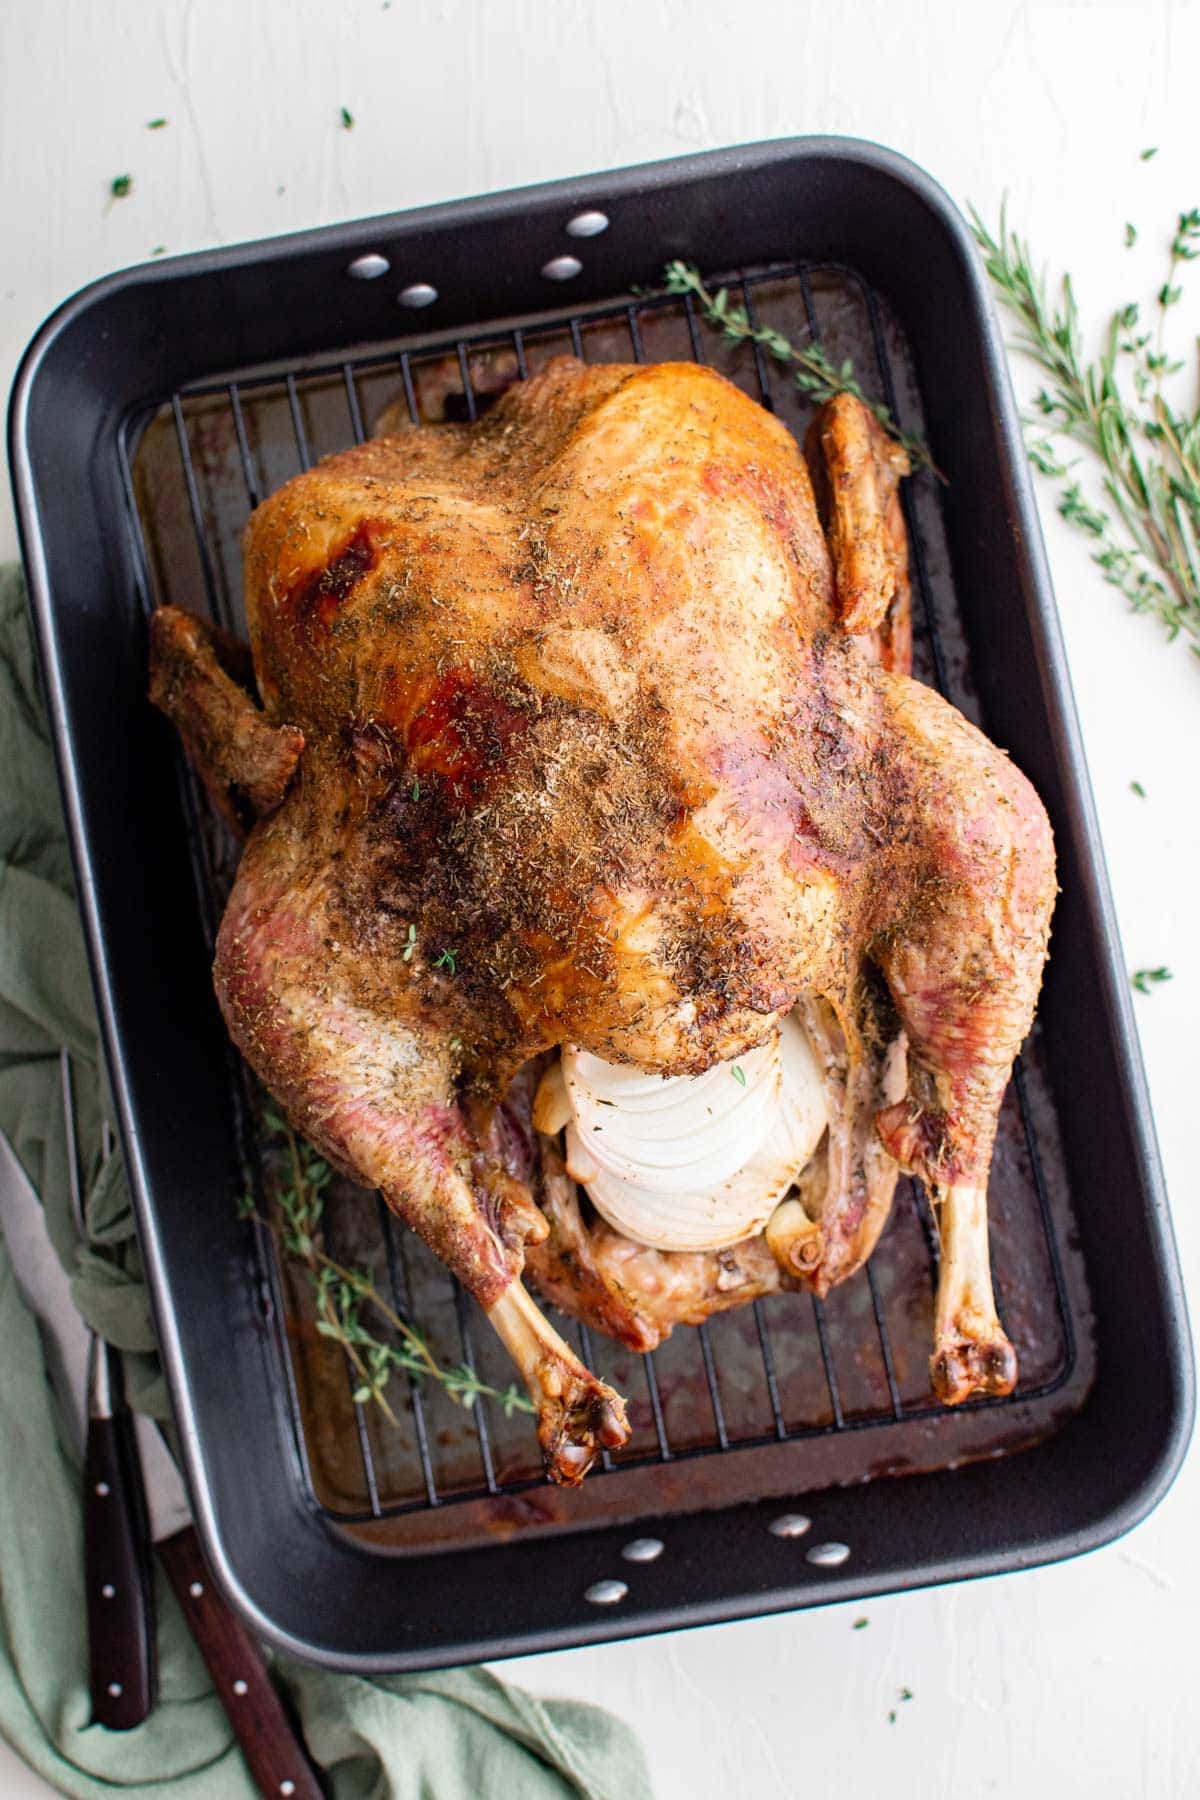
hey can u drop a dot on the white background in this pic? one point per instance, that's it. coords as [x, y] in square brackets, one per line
[1080, 1675]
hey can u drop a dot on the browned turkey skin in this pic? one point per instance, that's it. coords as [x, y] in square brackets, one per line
[602, 733]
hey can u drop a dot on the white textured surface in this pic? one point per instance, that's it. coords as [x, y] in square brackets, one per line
[1032, 1685]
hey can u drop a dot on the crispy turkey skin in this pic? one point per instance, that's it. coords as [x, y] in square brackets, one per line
[602, 734]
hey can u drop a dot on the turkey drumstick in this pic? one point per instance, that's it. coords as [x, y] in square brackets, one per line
[377, 1097]
[963, 962]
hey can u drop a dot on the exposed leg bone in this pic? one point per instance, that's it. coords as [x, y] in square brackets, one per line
[794, 1239]
[972, 1354]
[578, 1415]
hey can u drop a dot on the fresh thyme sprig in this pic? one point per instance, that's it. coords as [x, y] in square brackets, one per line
[298, 1177]
[1116, 407]
[814, 372]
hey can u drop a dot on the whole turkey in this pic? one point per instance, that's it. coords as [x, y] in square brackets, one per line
[584, 752]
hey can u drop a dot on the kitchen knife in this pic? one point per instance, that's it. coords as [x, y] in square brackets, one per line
[264, 1733]
[122, 1651]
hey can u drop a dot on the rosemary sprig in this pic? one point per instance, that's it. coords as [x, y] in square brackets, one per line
[298, 1177]
[813, 371]
[1118, 409]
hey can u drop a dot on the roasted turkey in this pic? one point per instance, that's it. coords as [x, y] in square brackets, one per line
[588, 728]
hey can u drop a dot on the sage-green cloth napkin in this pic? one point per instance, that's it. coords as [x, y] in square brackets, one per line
[459, 1735]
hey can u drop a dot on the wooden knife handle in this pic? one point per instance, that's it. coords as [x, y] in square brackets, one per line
[120, 1590]
[272, 1748]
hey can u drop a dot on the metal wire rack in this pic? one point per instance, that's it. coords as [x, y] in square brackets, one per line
[787, 1368]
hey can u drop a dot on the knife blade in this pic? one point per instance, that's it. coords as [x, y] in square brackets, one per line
[272, 1749]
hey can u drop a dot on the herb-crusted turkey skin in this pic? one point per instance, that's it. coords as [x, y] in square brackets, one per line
[608, 739]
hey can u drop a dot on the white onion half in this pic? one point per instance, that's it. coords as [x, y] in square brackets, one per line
[694, 1162]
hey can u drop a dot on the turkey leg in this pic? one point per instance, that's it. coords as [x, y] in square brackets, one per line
[375, 1092]
[972, 1353]
[963, 961]
[577, 1414]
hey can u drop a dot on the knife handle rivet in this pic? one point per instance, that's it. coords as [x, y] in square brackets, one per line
[108, 1591]
[102, 1488]
[195, 1589]
[115, 1689]
[287, 1787]
[240, 1688]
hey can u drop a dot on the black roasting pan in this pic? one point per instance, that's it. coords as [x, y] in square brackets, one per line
[1070, 1464]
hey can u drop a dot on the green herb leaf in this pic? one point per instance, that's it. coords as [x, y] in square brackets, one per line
[860, 1624]
[1146, 980]
[739, 1074]
[1144, 516]
[410, 944]
[1130, 235]
[1044, 457]
[347, 119]
[295, 1175]
[813, 372]
[121, 186]
[1135, 787]
[156, 124]
[416, 787]
[1147, 154]
[446, 961]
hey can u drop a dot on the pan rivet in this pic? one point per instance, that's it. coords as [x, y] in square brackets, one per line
[587, 224]
[418, 293]
[369, 267]
[115, 1689]
[789, 1525]
[606, 1593]
[195, 1589]
[287, 1787]
[643, 1550]
[102, 1488]
[827, 1556]
[239, 1688]
[562, 268]
[108, 1591]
